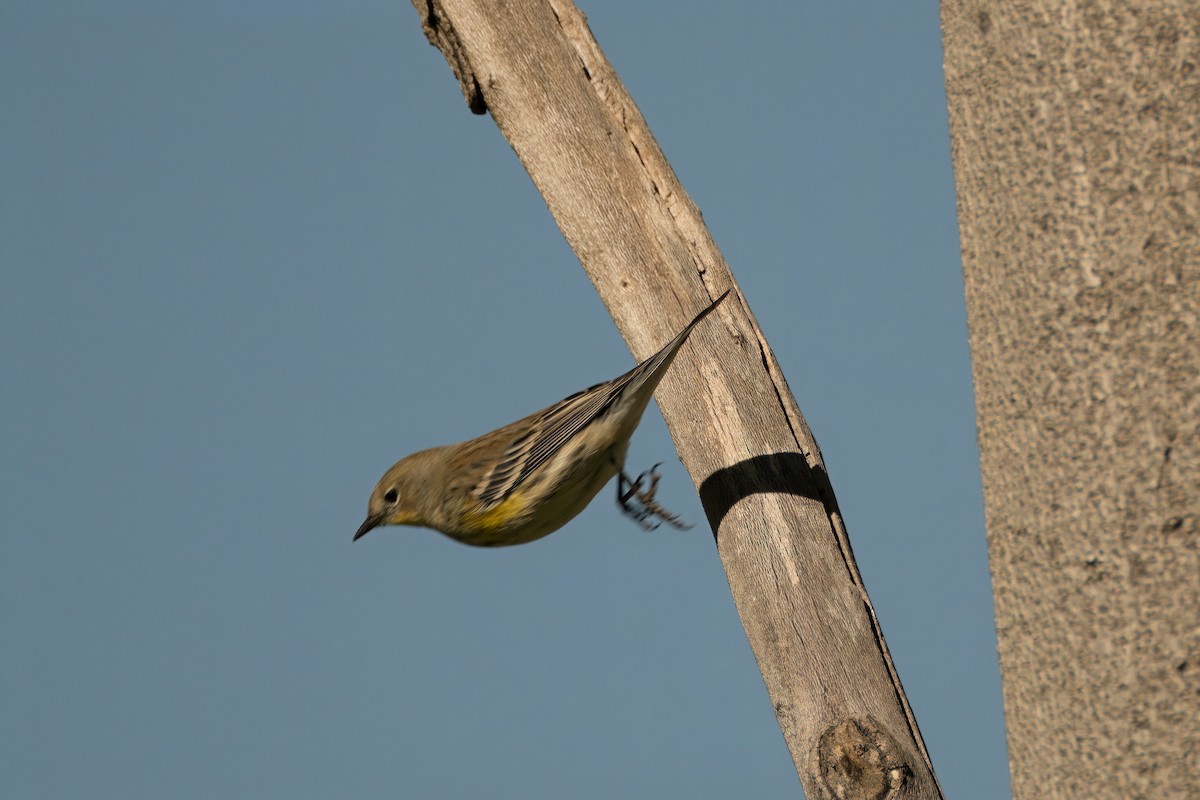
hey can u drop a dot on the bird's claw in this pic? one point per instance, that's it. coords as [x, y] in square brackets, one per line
[646, 511]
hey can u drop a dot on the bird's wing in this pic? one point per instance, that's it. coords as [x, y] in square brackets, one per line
[540, 436]
[545, 434]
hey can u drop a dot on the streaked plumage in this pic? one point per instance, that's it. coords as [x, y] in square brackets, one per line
[529, 478]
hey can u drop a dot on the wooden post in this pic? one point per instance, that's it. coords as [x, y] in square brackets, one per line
[535, 67]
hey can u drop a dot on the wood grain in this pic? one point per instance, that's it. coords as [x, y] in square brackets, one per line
[536, 68]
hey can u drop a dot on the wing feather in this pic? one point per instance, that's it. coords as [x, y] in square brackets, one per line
[549, 431]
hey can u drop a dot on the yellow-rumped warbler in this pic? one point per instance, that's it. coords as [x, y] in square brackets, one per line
[528, 479]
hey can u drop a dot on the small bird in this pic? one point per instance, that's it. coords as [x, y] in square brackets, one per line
[531, 477]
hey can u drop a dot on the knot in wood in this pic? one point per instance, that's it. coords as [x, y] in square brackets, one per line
[856, 759]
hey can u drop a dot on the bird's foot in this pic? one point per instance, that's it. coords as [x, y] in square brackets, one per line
[644, 510]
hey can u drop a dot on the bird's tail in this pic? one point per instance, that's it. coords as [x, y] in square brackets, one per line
[653, 368]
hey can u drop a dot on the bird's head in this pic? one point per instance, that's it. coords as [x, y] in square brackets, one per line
[394, 500]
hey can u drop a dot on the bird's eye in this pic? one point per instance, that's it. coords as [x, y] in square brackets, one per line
[391, 495]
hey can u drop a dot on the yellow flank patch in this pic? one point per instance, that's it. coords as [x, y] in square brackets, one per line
[499, 517]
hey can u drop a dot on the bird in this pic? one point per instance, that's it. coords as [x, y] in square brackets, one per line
[527, 479]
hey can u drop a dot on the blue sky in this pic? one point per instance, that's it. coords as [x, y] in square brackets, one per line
[254, 252]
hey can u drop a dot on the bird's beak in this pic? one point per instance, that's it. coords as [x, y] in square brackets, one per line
[373, 521]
